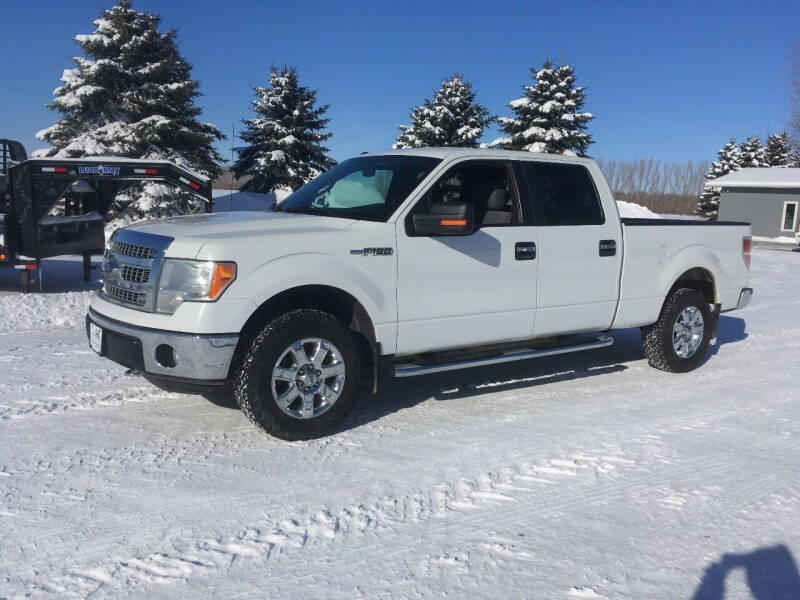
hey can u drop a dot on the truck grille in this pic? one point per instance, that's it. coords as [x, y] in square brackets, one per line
[133, 250]
[131, 267]
[135, 274]
[126, 296]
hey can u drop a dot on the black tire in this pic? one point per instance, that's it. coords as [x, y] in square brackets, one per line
[253, 375]
[657, 338]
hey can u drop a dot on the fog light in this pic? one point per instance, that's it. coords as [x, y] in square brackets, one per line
[166, 356]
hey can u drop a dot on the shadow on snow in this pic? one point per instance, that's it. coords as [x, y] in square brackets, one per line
[400, 394]
[771, 574]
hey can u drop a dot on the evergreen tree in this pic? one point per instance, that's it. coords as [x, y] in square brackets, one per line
[284, 140]
[753, 153]
[453, 118]
[548, 117]
[730, 159]
[779, 150]
[132, 95]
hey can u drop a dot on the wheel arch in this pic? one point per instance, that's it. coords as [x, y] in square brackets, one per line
[329, 299]
[699, 279]
[695, 267]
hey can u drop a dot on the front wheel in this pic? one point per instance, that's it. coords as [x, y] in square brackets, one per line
[300, 376]
[678, 341]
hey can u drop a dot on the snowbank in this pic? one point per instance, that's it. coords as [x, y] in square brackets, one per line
[635, 211]
[778, 240]
[40, 311]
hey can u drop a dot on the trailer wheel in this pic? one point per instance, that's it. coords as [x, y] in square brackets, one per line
[300, 376]
[678, 341]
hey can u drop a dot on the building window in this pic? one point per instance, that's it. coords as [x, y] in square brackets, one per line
[789, 216]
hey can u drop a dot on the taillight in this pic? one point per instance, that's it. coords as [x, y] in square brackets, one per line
[747, 249]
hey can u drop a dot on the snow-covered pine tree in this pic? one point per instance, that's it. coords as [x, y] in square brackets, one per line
[730, 159]
[548, 117]
[453, 118]
[753, 153]
[284, 140]
[779, 150]
[132, 95]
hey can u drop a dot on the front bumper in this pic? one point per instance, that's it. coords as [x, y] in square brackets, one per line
[744, 297]
[204, 357]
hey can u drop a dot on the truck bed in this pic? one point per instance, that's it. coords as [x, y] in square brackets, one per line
[657, 252]
[635, 221]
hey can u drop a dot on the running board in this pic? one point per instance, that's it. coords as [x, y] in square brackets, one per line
[412, 369]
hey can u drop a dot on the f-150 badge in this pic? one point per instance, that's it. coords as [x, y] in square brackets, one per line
[373, 251]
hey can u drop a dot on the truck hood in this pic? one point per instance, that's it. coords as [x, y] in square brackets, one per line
[192, 232]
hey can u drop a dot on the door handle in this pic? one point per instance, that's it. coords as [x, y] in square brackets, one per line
[524, 251]
[608, 247]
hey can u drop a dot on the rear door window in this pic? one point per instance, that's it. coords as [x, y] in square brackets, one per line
[563, 194]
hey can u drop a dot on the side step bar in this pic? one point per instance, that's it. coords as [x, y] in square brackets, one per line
[412, 369]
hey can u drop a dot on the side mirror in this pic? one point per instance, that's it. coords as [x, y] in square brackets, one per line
[446, 218]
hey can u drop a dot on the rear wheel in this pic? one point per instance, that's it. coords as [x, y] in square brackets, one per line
[300, 376]
[678, 341]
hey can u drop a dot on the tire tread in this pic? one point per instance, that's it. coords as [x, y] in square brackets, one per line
[256, 407]
[657, 338]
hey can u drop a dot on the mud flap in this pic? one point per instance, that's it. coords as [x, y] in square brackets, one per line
[715, 324]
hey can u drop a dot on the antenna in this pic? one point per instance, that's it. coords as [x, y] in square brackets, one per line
[230, 169]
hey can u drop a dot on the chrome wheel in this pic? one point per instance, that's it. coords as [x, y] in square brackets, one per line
[308, 378]
[687, 332]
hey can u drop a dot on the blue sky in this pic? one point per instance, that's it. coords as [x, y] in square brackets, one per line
[667, 80]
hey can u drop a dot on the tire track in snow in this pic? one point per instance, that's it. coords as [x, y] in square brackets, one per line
[519, 488]
[305, 530]
[553, 472]
[69, 401]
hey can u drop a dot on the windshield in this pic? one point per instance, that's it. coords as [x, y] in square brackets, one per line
[367, 188]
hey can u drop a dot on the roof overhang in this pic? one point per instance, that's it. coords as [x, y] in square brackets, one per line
[764, 178]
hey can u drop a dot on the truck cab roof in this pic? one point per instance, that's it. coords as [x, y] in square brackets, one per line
[483, 153]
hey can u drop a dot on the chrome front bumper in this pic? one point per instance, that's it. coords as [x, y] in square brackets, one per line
[198, 357]
[744, 297]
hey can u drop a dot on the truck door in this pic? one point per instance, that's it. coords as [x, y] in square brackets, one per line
[579, 250]
[468, 290]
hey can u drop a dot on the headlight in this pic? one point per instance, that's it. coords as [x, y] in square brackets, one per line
[192, 281]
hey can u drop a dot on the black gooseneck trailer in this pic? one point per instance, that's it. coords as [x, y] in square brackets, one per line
[31, 188]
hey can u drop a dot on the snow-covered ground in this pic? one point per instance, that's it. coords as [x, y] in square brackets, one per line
[586, 476]
[228, 200]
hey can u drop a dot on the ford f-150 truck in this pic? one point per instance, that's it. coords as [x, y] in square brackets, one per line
[429, 260]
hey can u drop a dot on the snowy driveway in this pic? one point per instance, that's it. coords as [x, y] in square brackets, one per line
[587, 476]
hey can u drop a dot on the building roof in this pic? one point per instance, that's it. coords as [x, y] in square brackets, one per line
[765, 178]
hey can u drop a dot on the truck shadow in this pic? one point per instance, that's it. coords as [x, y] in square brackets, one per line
[730, 330]
[771, 574]
[399, 394]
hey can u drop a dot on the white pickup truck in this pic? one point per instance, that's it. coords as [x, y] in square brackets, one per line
[427, 260]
